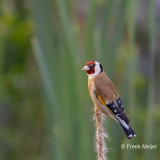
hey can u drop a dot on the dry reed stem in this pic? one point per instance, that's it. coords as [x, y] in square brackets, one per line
[100, 136]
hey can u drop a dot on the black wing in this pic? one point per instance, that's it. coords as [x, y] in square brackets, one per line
[118, 110]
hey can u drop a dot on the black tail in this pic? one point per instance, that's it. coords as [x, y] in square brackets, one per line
[128, 131]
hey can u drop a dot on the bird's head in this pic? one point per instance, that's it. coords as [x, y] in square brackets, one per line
[93, 68]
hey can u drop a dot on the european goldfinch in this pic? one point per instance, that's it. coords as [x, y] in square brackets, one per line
[105, 97]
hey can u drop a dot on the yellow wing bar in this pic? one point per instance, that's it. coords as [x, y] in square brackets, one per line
[103, 101]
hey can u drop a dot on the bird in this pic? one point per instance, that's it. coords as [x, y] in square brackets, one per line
[105, 97]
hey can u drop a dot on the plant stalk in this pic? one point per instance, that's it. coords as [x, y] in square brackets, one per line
[101, 135]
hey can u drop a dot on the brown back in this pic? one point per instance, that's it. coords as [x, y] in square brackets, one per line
[105, 88]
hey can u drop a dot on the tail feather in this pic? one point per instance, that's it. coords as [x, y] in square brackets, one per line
[127, 129]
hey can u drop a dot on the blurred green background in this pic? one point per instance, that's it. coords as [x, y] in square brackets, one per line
[45, 109]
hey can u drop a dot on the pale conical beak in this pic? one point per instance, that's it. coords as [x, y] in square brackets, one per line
[85, 68]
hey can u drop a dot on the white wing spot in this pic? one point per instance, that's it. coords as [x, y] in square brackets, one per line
[122, 106]
[113, 105]
[115, 110]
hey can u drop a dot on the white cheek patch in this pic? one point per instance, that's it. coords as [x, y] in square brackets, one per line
[97, 70]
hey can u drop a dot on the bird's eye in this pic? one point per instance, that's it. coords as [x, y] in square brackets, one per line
[91, 65]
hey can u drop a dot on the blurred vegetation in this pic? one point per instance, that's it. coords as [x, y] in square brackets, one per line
[45, 108]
